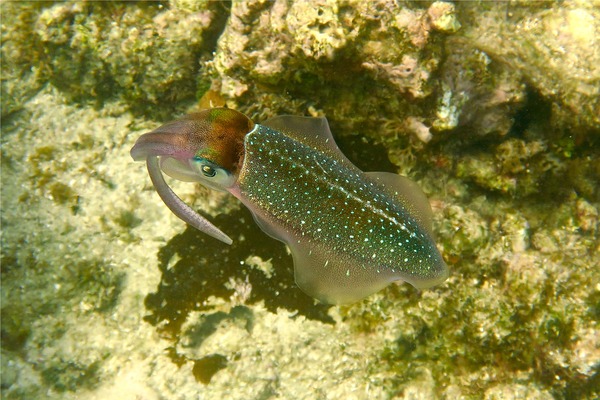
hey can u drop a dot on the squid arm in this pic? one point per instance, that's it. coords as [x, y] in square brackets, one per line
[177, 206]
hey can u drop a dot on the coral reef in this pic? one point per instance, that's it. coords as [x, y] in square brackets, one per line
[492, 109]
[144, 54]
[329, 50]
[556, 51]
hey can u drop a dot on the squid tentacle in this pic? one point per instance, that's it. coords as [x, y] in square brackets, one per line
[178, 207]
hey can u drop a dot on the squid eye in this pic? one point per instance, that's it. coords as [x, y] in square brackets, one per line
[211, 174]
[208, 171]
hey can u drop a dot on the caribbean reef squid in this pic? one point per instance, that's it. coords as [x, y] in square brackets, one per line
[351, 233]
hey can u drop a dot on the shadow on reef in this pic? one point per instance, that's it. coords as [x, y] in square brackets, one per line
[206, 267]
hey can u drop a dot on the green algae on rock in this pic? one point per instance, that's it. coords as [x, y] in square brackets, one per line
[142, 53]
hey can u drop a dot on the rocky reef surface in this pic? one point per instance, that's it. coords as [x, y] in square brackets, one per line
[491, 107]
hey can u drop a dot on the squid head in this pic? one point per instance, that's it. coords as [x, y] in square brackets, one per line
[205, 147]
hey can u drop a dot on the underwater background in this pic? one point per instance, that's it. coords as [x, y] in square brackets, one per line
[493, 108]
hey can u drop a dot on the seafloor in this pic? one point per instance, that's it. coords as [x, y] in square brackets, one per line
[492, 107]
